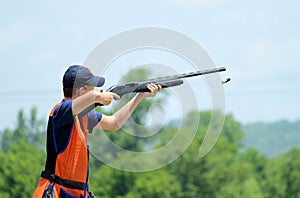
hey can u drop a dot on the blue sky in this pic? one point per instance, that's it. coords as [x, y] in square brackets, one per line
[258, 42]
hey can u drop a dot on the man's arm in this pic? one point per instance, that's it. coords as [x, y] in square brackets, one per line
[90, 98]
[116, 121]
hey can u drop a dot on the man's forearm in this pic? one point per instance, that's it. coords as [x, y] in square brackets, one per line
[123, 114]
[117, 120]
[84, 101]
[90, 98]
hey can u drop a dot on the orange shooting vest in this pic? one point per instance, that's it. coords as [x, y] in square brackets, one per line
[66, 173]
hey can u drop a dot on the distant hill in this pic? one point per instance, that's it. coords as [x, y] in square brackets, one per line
[273, 138]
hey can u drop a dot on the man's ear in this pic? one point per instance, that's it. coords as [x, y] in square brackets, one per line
[80, 91]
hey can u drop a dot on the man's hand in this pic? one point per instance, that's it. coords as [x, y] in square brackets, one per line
[106, 98]
[153, 90]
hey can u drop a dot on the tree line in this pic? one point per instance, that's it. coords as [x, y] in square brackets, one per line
[227, 170]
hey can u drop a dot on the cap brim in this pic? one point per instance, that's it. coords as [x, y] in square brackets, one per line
[96, 81]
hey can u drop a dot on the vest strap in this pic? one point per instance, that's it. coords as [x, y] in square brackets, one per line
[64, 182]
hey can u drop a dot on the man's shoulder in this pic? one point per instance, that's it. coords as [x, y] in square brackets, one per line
[63, 106]
[62, 114]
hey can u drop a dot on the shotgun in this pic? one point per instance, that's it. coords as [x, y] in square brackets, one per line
[165, 82]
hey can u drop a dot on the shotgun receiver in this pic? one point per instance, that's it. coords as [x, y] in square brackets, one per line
[167, 81]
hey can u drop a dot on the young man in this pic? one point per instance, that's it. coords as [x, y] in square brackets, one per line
[70, 121]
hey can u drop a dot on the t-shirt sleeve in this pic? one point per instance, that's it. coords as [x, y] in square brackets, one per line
[63, 121]
[63, 114]
[94, 118]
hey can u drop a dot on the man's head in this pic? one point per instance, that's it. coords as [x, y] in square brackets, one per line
[77, 77]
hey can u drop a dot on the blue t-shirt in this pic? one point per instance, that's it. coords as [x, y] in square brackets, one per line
[63, 121]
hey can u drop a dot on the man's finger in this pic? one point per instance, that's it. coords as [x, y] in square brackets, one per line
[115, 96]
[152, 87]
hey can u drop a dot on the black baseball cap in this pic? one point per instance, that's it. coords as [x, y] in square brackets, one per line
[78, 76]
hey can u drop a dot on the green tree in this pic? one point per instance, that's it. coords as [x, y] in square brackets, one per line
[36, 129]
[109, 182]
[20, 169]
[159, 183]
[282, 176]
[222, 172]
[20, 133]
[29, 130]
[21, 156]
[6, 140]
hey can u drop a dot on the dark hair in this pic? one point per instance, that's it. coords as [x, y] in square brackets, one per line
[69, 92]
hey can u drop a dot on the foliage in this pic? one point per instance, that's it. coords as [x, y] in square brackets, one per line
[29, 130]
[21, 156]
[154, 184]
[262, 136]
[225, 172]
[282, 176]
[19, 170]
[109, 182]
[228, 170]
